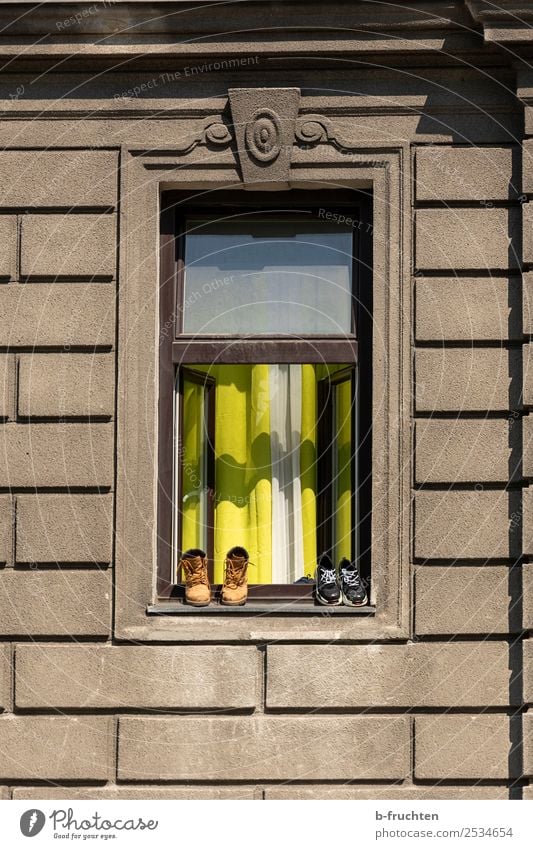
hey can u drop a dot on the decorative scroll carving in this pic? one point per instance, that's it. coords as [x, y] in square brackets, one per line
[265, 136]
[317, 129]
[212, 131]
[217, 133]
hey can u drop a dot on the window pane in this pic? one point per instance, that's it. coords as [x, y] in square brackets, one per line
[254, 275]
[273, 479]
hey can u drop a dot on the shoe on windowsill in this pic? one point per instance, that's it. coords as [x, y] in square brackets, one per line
[352, 587]
[197, 589]
[235, 588]
[327, 588]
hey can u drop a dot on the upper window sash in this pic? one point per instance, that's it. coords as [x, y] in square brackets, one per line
[251, 275]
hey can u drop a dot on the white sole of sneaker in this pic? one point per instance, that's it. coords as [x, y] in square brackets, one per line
[349, 603]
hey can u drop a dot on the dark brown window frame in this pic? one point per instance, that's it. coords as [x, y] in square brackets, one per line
[209, 385]
[180, 350]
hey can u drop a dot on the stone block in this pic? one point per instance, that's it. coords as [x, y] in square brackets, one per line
[142, 792]
[468, 451]
[527, 353]
[368, 791]
[527, 155]
[477, 238]
[475, 524]
[464, 747]
[466, 600]
[6, 528]
[56, 748]
[255, 748]
[527, 520]
[463, 309]
[68, 245]
[57, 314]
[527, 596]
[527, 729]
[468, 380]
[527, 303]
[527, 655]
[50, 603]
[62, 385]
[527, 232]
[6, 673]
[64, 528]
[7, 386]
[185, 677]
[65, 178]
[8, 246]
[464, 173]
[416, 675]
[527, 447]
[52, 455]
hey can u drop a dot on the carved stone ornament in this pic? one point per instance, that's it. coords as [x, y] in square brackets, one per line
[212, 131]
[263, 135]
[317, 129]
[264, 121]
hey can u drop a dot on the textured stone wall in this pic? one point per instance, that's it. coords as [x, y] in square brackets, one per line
[442, 714]
[57, 330]
[468, 441]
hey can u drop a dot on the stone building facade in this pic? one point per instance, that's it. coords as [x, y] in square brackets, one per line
[105, 107]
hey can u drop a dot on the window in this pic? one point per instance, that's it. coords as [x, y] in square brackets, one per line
[265, 388]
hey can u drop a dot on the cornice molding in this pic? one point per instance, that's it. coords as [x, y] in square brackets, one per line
[507, 23]
[175, 33]
[185, 17]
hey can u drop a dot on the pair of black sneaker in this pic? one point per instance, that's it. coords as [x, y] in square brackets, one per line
[342, 587]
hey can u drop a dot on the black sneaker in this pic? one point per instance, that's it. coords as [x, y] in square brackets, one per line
[327, 587]
[353, 591]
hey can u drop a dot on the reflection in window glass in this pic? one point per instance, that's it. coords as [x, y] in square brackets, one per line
[257, 275]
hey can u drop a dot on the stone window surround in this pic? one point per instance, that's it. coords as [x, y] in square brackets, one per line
[144, 175]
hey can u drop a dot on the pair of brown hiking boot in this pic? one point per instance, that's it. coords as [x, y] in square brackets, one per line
[197, 588]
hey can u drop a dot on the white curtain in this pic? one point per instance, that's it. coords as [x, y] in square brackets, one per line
[285, 437]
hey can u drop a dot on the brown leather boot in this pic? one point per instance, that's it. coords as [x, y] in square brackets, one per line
[197, 589]
[235, 589]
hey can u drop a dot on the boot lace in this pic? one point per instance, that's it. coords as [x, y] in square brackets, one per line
[327, 576]
[351, 578]
[195, 571]
[235, 572]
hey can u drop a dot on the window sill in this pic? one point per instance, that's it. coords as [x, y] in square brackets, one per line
[177, 608]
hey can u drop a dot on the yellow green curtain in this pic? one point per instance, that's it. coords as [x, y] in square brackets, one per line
[242, 468]
[243, 474]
